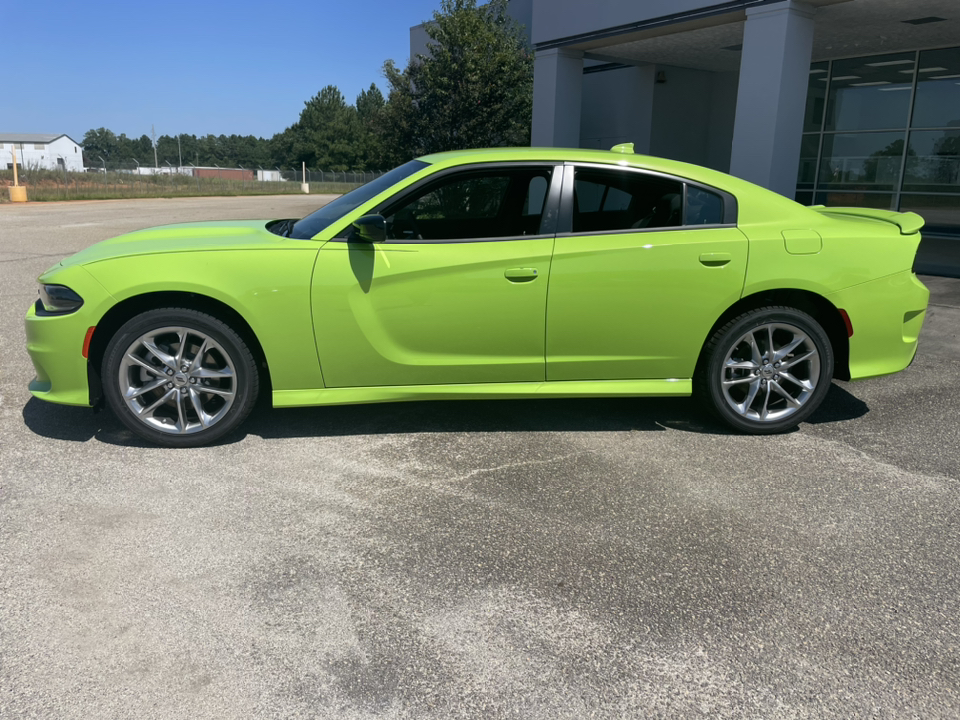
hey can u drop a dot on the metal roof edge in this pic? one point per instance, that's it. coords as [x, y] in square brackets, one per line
[662, 21]
[34, 138]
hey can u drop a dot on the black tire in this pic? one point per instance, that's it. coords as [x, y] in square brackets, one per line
[726, 377]
[197, 383]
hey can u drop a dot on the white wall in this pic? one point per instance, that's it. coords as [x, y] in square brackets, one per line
[693, 116]
[418, 42]
[689, 117]
[617, 107]
[28, 156]
[71, 152]
[681, 115]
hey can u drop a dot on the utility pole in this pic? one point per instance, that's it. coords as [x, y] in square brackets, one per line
[153, 132]
[179, 152]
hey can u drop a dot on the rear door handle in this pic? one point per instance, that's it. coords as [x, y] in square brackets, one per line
[518, 275]
[715, 259]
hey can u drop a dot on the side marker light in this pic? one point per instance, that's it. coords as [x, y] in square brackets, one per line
[846, 321]
[86, 342]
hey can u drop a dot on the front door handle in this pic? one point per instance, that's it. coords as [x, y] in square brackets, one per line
[519, 275]
[715, 259]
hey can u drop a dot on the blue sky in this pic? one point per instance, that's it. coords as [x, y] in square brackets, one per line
[198, 67]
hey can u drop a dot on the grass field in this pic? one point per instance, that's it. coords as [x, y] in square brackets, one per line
[55, 185]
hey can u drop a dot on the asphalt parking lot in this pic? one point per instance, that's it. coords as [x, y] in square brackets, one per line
[516, 559]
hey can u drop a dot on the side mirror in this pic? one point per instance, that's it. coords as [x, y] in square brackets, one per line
[370, 228]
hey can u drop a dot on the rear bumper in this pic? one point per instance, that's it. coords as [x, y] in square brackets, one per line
[887, 315]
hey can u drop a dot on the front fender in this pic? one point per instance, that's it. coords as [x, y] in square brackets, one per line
[268, 288]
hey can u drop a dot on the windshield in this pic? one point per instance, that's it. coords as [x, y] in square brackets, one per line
[331, 212]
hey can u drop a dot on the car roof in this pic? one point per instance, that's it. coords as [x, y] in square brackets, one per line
[606, 157]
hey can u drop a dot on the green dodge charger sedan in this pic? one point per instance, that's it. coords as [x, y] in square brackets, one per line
[503, 273]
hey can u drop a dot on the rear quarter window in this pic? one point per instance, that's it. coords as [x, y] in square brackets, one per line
[703, 207]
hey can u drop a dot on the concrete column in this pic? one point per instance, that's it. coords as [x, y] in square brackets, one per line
[774, 71]
[557, 88]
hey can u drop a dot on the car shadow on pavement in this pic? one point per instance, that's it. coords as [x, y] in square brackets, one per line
[76, 424]
[584, 415]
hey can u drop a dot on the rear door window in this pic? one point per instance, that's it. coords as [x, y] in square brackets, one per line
[609, 200]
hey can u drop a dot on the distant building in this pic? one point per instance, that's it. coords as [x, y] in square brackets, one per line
[241, 174]
[41, 150]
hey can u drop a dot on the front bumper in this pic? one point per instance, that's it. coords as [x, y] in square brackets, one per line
[55, 342]
[886, 315]
[55, 345]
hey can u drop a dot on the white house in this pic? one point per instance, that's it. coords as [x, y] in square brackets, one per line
[41, 150]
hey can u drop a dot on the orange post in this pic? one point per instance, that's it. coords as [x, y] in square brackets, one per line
[17, 193]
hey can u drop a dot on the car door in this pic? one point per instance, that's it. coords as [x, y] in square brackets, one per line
[457, 292]
[643, 265]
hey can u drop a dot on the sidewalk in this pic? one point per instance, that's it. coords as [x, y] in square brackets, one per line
[939, 253]
[944, 291]
[941, 327]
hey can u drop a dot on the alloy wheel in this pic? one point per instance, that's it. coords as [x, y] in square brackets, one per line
[770, 372]
[177, 380]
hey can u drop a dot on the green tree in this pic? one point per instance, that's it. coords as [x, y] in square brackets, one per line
[473, 89]
[326, 135]
[189, 149]
[100, 143]
[370, 105]
[143, 149]
[167, 150]
[124, 149]
[883, 164]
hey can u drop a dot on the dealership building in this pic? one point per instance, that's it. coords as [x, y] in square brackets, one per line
[836, 102]
[840, 102]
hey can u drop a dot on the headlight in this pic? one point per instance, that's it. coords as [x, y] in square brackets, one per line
[59, 300]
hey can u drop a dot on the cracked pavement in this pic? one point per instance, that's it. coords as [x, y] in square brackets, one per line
[515, 559]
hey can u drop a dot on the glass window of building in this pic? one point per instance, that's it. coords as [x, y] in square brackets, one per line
[862, 161]
[870, 93]
[933, 162]
[889, 137]
[809, 152]
[816, 97]
[938, 89]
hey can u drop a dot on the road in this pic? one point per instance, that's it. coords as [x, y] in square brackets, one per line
[515, 559]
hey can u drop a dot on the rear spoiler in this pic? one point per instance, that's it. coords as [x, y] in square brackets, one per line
[908, 222]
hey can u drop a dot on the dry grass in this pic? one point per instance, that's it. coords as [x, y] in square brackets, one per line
[55, 185]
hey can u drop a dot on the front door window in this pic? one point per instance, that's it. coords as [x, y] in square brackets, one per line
[474, 205]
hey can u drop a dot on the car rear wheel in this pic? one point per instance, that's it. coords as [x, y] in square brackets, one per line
[767, 370]
[179, 377]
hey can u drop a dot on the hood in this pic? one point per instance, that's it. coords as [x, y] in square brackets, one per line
[182, 237]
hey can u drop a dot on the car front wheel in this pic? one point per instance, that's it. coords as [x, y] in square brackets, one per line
[179, 377]
[767, 370]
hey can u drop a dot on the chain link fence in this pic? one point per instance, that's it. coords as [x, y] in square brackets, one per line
[129, 180]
